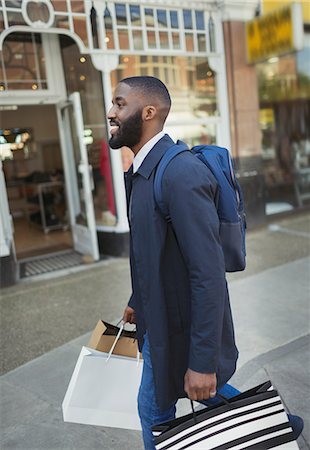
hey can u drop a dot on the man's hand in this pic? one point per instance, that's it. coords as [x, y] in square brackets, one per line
[199, 386]
[129, 315]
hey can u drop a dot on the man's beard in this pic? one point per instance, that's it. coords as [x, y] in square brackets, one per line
[129, 133]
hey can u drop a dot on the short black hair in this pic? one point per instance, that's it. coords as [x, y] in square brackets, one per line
[150, 87]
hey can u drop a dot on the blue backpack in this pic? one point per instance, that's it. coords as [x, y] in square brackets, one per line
[230, 207]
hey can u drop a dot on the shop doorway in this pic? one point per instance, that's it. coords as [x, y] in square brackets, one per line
[35, 178]
[48, 184]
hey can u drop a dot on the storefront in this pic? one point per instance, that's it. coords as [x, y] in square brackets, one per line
[60, 61]
[283, 71]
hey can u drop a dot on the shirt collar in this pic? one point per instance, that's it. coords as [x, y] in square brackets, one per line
[141, 155]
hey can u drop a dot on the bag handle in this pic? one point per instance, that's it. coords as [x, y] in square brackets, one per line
[224, 399]
[121, 320]
[116, 340]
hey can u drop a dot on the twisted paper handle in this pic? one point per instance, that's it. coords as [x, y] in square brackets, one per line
[115, 342]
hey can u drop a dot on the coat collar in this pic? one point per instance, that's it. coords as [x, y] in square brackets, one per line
[154, 156]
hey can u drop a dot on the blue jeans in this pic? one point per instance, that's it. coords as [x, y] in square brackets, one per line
[149, 412]
[151, 415]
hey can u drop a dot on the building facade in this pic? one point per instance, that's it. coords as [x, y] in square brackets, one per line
[61, 185]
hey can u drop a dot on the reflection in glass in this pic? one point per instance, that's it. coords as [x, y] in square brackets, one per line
[15, 18]
[187, 16]
[151, 39]
[201, 42]
[123, 39]
[121, 17]
[189, 39]
[137, 40]
[194, 134]
[174, 20]
[176, 41]
[162, 18]
[200, 21]
[163, 38]
[107, 19]
[109, 39]
[285, 78]
[60, 5]
[77, 6]
[23, 62]
[135, 15]
[149, 17]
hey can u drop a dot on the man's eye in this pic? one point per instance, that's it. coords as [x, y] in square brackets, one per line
[119, 105]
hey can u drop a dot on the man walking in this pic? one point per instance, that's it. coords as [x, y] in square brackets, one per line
[179, 300]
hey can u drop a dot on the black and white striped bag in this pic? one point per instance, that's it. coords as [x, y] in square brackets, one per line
[255, 419]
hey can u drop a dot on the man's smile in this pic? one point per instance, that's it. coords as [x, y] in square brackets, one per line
[113, 128]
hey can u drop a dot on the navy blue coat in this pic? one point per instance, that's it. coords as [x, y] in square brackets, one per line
[179, 289]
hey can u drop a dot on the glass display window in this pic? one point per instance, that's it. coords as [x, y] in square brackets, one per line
[23, 63]
[284, 94]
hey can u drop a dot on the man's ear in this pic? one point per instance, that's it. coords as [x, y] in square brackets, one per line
[149, 112]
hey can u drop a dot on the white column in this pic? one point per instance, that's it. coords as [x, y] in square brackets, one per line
[107, 63]
[218, 64]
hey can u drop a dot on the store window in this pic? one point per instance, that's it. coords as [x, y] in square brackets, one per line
[22, 63]
[163, 27]
[192, 86]
[284, 92]
[81, 76]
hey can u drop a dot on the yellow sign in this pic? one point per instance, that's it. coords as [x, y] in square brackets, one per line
[274, 34]
[266, 118]
[271, 5]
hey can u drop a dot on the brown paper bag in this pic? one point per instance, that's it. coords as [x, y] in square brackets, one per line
[104, 336]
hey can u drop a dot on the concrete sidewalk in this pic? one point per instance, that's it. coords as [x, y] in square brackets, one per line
[271, 311]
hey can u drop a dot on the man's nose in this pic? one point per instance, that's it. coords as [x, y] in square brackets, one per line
[111, 112]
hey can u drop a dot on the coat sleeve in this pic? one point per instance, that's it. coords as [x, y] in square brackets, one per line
[189, 189]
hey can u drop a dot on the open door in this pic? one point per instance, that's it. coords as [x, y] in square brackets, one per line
[6, 223]
[78, 176]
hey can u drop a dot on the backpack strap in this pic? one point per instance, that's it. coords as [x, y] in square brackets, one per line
[177, 148]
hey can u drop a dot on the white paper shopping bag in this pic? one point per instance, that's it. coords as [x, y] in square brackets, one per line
[103, 390]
